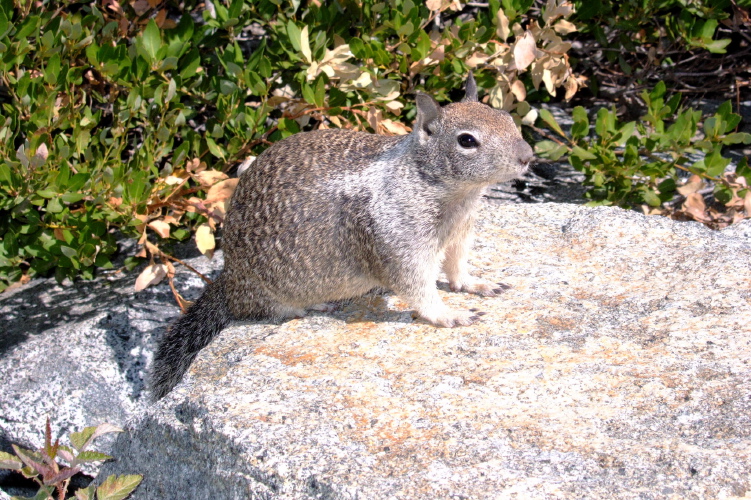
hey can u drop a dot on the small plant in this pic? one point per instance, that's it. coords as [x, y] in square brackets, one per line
[42, 466]
[637, 163]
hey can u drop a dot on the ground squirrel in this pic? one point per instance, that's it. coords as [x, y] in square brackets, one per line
[331, 214]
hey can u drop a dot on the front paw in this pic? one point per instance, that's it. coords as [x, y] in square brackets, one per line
[449, 318]
[479, 287]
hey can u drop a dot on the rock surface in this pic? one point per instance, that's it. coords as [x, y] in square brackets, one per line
[78, 353]
[617, 366]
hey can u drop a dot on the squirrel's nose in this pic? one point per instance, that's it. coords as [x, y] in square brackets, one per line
[524, 152]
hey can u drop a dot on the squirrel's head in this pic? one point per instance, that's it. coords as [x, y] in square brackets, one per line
[470, 141]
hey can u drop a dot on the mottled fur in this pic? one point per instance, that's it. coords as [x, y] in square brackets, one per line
[331, 214]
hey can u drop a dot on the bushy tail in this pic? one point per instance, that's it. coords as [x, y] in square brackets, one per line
[188, 335]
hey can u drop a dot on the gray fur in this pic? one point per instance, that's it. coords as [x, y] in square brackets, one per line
[331, 214]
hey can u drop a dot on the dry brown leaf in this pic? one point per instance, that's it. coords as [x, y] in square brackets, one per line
[141, 7]
[694, 184]
[503, 30]
[524, 51]
[42, 151]
[160, 17]
[193, 202]
[695, 207]
[496, 95]
[476, 59]
[209, 177]
[195, 165]
[205, 240]
[221, 192]
[519, 91]
[114, 6]
[152, 275]
[374, 118]
[747, 203]
[564, 27]
[160, 227]
[438, 54]
[171, 180]
[123, 25]
[395, 107]
[395, 128]
[572, 87]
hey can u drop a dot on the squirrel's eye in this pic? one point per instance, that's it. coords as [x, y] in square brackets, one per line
[468, 141]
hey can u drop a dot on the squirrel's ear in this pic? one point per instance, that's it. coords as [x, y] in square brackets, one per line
[470, 89]
[428, 112]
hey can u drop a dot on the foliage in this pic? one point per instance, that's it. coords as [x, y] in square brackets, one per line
[42, 466]
[697, 46]
[638, 162]
[113, 112]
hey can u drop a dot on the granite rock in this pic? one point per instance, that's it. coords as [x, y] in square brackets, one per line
[616, 366]
[77, 353]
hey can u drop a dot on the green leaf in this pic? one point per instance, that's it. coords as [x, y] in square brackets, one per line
[68, 252]
[359, 49]
[118, 487]
[8, 461]
[308, 93]
[320, 92]
[580, 127]
[72, 197]
[743, 170]
[235, 8]
[190, 63]
[716, 163]
[625, 132]
[54, 206]
[91, 456]
[718, 46]
[215, 150]
[4, 24]
[667, 189]
[550, 149]
[651, 198]
[80, 439]
[722, 193]
[151, 41]
[88, 493]
[294, 34]
[658, 91]
[605, 123]
[47, 193]
[737, 138]
[712, 126]
[548, 118]
[583, 153]
[53, 69]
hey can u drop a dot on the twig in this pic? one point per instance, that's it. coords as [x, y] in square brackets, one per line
[190, 268]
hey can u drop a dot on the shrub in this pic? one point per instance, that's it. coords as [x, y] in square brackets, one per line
[114, 111]
[638, 162]
[699, 46]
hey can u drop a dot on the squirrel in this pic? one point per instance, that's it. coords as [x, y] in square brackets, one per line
[331, 214]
